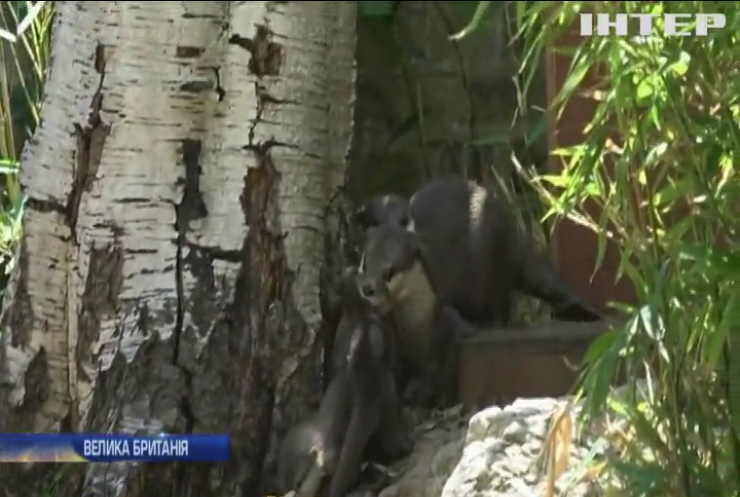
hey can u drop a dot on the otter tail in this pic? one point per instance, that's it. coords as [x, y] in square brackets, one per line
[539, 279]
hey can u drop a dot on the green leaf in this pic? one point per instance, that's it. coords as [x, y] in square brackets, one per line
[572, 81]
[648, 434]
[643, 478]
[601, 243]
[26, 21]
[601, 345]
[480, 11]
[9, 166]
[644, 90]
[557, 180]
[538, 130]
[681, 66]
[599, 376]
[716, 339]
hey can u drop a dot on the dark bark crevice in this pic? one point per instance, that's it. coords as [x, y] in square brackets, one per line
[91, 138]
[191, 207]
[266, 55]
[196, 305]
[148, 384]
[148, 388]
[99, 301]
[261, 290]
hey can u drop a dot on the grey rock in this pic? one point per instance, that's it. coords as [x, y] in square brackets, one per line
[498, 454]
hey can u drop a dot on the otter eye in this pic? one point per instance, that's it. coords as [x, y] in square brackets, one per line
[404, 222]
[388, 273]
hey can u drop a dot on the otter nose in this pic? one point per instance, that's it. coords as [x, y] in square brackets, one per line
[367, 290]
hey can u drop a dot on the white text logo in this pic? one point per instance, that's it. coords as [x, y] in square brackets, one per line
[673, 24]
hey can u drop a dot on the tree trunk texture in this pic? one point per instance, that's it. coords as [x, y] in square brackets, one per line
[175, 231]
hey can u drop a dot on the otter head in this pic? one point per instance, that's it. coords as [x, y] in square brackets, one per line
[384, 209]
[390, 267]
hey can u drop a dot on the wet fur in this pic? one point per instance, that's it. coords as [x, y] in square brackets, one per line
[360, 399]
[429, 333]
[476, 252]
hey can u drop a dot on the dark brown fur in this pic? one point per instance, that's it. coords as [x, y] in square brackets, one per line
[477, 254]
[359, 405]
[390, 441]
[393, 278]
[392, 209]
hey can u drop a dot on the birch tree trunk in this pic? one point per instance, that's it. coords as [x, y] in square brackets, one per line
[168, 279]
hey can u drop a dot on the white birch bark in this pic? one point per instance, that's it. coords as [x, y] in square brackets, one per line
[144, 300]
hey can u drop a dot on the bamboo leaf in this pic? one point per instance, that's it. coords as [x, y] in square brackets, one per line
[480, 11]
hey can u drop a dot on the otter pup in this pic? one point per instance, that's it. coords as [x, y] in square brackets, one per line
[477, 254]
[390, 441]
[359, 403]
[393, 277]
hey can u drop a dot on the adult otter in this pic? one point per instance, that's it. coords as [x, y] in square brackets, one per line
[359, 404]
[477, 254]
[392, 209]
[393, 278]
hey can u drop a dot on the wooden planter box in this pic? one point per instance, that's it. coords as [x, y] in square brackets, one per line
[499, 366]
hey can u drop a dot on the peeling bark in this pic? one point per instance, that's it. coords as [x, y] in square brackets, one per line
[169, 274]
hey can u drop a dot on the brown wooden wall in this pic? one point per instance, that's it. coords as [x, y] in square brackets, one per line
[499, 366]
[576, 247]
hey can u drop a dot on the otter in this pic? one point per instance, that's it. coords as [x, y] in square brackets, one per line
[360, 404]
[391, 208]
[390, 441]
[310, 450]
[477, 254]
[393, 277]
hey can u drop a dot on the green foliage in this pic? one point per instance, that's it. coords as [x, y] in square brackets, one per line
[24, 51]
[666, 132]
